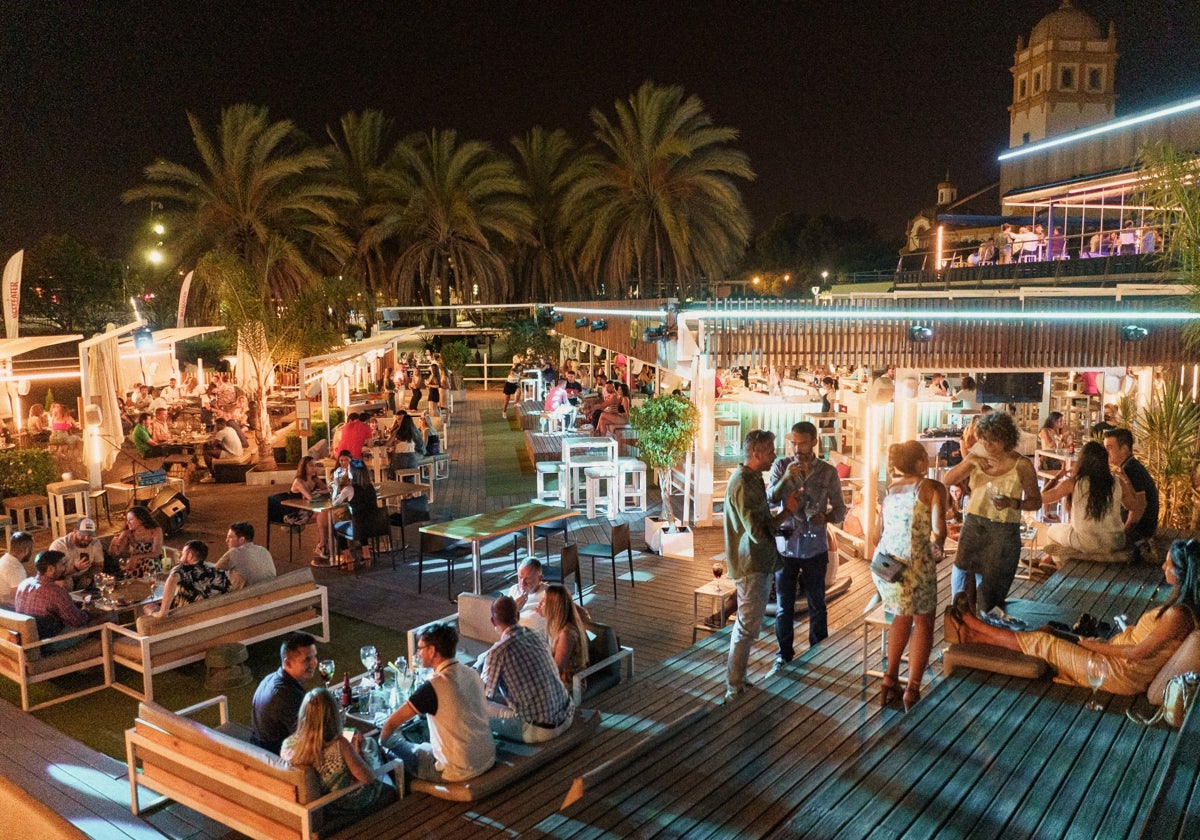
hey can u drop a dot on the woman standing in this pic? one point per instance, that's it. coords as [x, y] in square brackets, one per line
[1097, 496]
[565, 630]
[306, 483]
[318, 743]
[1003, 484]
[138, 545]
[389, 390]
[914, 531]
[192, 579]
[415, 383]
[511, 383]
[1133, 657]
[436, 384]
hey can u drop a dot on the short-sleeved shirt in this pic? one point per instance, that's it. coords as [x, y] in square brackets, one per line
[250, 560]
[140, 436]
[459, 732]
[73, 552]
[197, 582]
[11, 575]
[275, 710]
[1139, 478]
[519, 672]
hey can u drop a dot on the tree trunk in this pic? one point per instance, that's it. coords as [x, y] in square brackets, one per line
[664, 489]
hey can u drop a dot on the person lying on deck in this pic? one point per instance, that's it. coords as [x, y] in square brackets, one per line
[1133, 657]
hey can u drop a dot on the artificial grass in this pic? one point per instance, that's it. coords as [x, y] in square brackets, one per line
[508, 469]
[100, 719]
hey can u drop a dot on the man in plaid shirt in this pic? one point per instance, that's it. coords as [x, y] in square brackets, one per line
[47, 602]
[526, 699]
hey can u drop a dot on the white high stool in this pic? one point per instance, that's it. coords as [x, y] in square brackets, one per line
[64, 494]
[631, 480]
[729, 431]
[558, 471]
[597, 478]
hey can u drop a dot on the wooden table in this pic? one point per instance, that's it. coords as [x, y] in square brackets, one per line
[481, 526]
[394, 490]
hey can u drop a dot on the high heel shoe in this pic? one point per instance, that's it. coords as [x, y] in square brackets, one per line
[889, 692]
[911, 695]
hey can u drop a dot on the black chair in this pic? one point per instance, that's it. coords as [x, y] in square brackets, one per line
[557, 526]
[443, 548]
[278, 514]
[603, 645]
[401, 514]
[620, 542]
[568, 566]
[367, 522]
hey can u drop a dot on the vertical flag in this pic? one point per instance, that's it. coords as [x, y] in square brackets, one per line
[183, 296]
[12, 293]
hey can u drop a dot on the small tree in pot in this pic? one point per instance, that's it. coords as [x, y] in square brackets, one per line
[455, 357]
[666, 427]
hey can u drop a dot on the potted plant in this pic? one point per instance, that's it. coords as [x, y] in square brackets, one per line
[455, 357]
[666, 425]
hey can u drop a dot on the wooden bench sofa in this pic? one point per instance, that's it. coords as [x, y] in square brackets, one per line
[25, 660]
[291, 601]
[215, 771]
[233, 470]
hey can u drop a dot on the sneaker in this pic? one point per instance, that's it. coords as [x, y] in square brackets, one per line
[777, 667]
[999, 618]
[731, 695]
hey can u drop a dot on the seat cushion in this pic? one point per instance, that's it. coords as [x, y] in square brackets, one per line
[1187, 658]
[992, 658]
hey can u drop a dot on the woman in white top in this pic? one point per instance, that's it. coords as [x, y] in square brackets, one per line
[1097, 496]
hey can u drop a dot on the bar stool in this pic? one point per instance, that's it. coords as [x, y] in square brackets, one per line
[6, 524]
[879, 619]
[631, 480]
[729, 430]
[28, 512]
[556, 470]
[63, 495]
[598, 478]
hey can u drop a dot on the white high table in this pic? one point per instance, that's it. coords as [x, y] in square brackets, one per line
[579, 453]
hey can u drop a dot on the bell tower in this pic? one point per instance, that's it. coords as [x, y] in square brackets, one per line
[1063, 77]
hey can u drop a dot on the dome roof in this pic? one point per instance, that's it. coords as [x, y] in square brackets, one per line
[1066, 23]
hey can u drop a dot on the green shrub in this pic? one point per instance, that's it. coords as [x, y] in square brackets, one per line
[24, 471]
[292, 444]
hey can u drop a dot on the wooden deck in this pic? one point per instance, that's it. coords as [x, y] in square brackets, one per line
[809, 753]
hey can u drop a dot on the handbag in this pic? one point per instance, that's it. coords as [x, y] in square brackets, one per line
[887, 567]
[1180, 692]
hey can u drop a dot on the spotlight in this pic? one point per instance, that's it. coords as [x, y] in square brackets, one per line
[653, 334]
[143, 338]
[599, 324]
[581, 322]
[920, 333]
[556, 317]
[1132, 332]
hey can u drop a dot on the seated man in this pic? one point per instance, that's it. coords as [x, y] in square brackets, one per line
[12, 567]
[48, 603]
[160, 427]
[276, 703]
[246, 562]
[142, 438]
[1139, 528]
[85, 555]
[528, 592]
[527, 700]
[460, 743]
[223, 444]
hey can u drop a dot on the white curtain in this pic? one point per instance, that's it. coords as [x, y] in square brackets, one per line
[102, 374]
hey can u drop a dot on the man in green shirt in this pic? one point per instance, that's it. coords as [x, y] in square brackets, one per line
[141, 435]
[750, 552]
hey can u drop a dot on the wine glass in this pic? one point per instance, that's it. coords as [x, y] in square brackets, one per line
[369, 656]
[718, 569]
[105, 584]
[327, 668]
[1097, 670]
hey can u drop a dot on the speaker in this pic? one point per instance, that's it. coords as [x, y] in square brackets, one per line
[170, 510]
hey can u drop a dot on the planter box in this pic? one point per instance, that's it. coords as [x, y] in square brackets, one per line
[661, 541]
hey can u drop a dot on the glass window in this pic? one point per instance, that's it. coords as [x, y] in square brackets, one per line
[1095, 78]
[1067, 78]
[1037, 82]
[1021, 89]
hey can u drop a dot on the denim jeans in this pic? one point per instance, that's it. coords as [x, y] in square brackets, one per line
[752, 592]
[813, 571]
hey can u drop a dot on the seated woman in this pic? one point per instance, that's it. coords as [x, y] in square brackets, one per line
[407, 443]
[565, 630]
[1097, 496]
[614, 416]
[1134, 656]
[192, 579]
[138, 545]
[37, 424]
[306, 482]
[318, 743]
[62, 426]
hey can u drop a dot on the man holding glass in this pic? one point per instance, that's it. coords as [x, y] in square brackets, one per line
[805, 553]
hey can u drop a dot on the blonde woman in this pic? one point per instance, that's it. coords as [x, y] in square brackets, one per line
[318, 743]
[565, 630]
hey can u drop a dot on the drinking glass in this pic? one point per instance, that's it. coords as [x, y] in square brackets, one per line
[105, 583]
[326, 668]
[369, 656]
[718, 569]
[1097, 670]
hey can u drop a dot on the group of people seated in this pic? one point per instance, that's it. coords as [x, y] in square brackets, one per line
[1025, 243]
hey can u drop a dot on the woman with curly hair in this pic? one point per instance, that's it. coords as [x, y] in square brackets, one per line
[138, 545]
[1003, 483]
[1133, 657]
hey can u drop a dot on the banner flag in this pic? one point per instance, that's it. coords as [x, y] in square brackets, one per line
[183, 296]
[12, 293]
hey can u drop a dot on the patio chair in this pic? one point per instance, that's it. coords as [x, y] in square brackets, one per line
[558, 526]
[277, 514]
[443, 548]
[619, 537]
[568, 566]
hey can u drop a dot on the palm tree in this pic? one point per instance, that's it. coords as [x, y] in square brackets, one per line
[452, 207]
[545, 267]
[258, 198]
[663, 206]
[359, 152]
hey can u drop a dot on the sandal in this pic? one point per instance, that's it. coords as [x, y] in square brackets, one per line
[911, 695]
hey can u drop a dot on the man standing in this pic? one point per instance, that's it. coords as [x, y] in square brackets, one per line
[460, 741]
[276, 704]
[750, 549]
[1119, 444]
[807, 552]
[12, 566]
[527, 700]
[527, 592]
[47, 602]
[85, 556]
[246, 562]
[355, 433]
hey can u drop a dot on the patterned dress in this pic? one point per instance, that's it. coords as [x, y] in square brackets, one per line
[906, 527]
[335, 775]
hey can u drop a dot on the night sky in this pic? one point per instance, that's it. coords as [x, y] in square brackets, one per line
[849, 108]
